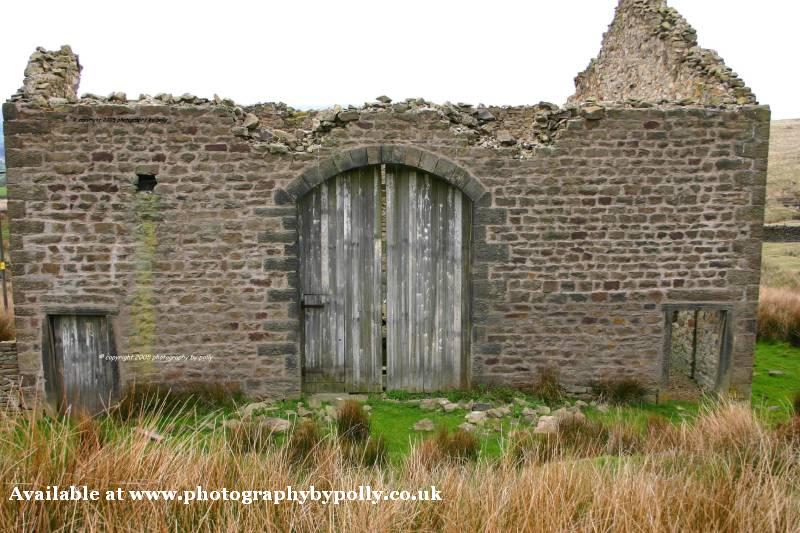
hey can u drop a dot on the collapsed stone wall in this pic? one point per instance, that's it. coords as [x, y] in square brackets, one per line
[51, 77]
[781, 233]
[650, 53]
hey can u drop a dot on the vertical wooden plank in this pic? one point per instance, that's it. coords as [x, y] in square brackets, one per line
[89, 382]
[429, 231]
[376, 357]
[338, 259]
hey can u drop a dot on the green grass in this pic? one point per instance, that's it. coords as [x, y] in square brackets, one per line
[395, 421]
[775, 391]
[394, 418]
[3, 191]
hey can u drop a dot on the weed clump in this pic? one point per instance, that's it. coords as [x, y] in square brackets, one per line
[7, 332]
[245, 436]
[796, 404]
[446, 447]
[305, 438]
[375, 451]
[621, 391]
[547, 385]
[352, 422]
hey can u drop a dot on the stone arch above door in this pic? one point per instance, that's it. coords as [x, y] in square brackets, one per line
[409, 156]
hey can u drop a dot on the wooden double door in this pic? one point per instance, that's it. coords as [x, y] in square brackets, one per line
[384, 275]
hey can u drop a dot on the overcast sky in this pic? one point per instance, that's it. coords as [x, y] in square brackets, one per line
[318, 53]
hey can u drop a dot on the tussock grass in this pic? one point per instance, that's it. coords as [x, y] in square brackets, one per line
[547, 385]
[7, 331]
[725, 472]
[352, 422]
[621, 391]
[447, 447]
[779, 315]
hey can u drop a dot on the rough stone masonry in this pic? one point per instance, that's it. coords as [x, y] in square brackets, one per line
[646, 189]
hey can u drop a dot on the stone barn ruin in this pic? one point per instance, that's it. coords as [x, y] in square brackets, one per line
[180, 240]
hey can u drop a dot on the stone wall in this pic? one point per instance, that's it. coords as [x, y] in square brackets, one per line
[589, 221]
[9, 373]
[696, 352]
[578, 242]
[51, 77]
[779, 233]
[650, 53]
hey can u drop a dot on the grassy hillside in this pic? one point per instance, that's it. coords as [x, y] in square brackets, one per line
[783, 179]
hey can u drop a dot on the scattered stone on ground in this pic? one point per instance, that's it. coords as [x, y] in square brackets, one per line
[476, 417]
[481, 406]
[426, 424]
[254, 408]
[499, 412]
[450, 407]
[336, 398]
[275, 425]
[546, 425]
[466, 426]
[775, 373]
[314, 402]
[429, 404]
[543, 410]
[603, 408]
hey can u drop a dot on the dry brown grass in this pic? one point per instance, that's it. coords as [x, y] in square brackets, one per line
[7, 332]
[447, 447]
[352, 422]
[779, 315]
[547, 385]
[726, 472]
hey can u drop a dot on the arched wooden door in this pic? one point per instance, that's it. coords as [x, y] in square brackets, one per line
[425, 224]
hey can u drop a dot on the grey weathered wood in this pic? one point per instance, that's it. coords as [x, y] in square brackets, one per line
[340, 249]
[428, 234]
[83, 380]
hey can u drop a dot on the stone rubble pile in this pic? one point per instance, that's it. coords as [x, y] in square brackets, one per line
[51, 77]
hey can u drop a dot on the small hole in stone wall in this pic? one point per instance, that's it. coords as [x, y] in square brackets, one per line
[146, 183]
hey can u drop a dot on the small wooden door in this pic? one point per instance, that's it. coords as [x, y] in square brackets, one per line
[340, 271]
[80, 366]
[428, 229]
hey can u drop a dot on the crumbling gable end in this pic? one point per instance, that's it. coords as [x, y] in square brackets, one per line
[52, 77]
[650, 53]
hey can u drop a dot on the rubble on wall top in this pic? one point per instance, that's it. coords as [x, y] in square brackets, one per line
[51, 81]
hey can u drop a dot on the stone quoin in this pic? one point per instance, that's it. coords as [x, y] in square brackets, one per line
[593, 224]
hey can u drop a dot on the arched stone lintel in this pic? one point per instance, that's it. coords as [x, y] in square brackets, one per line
[394, 154]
